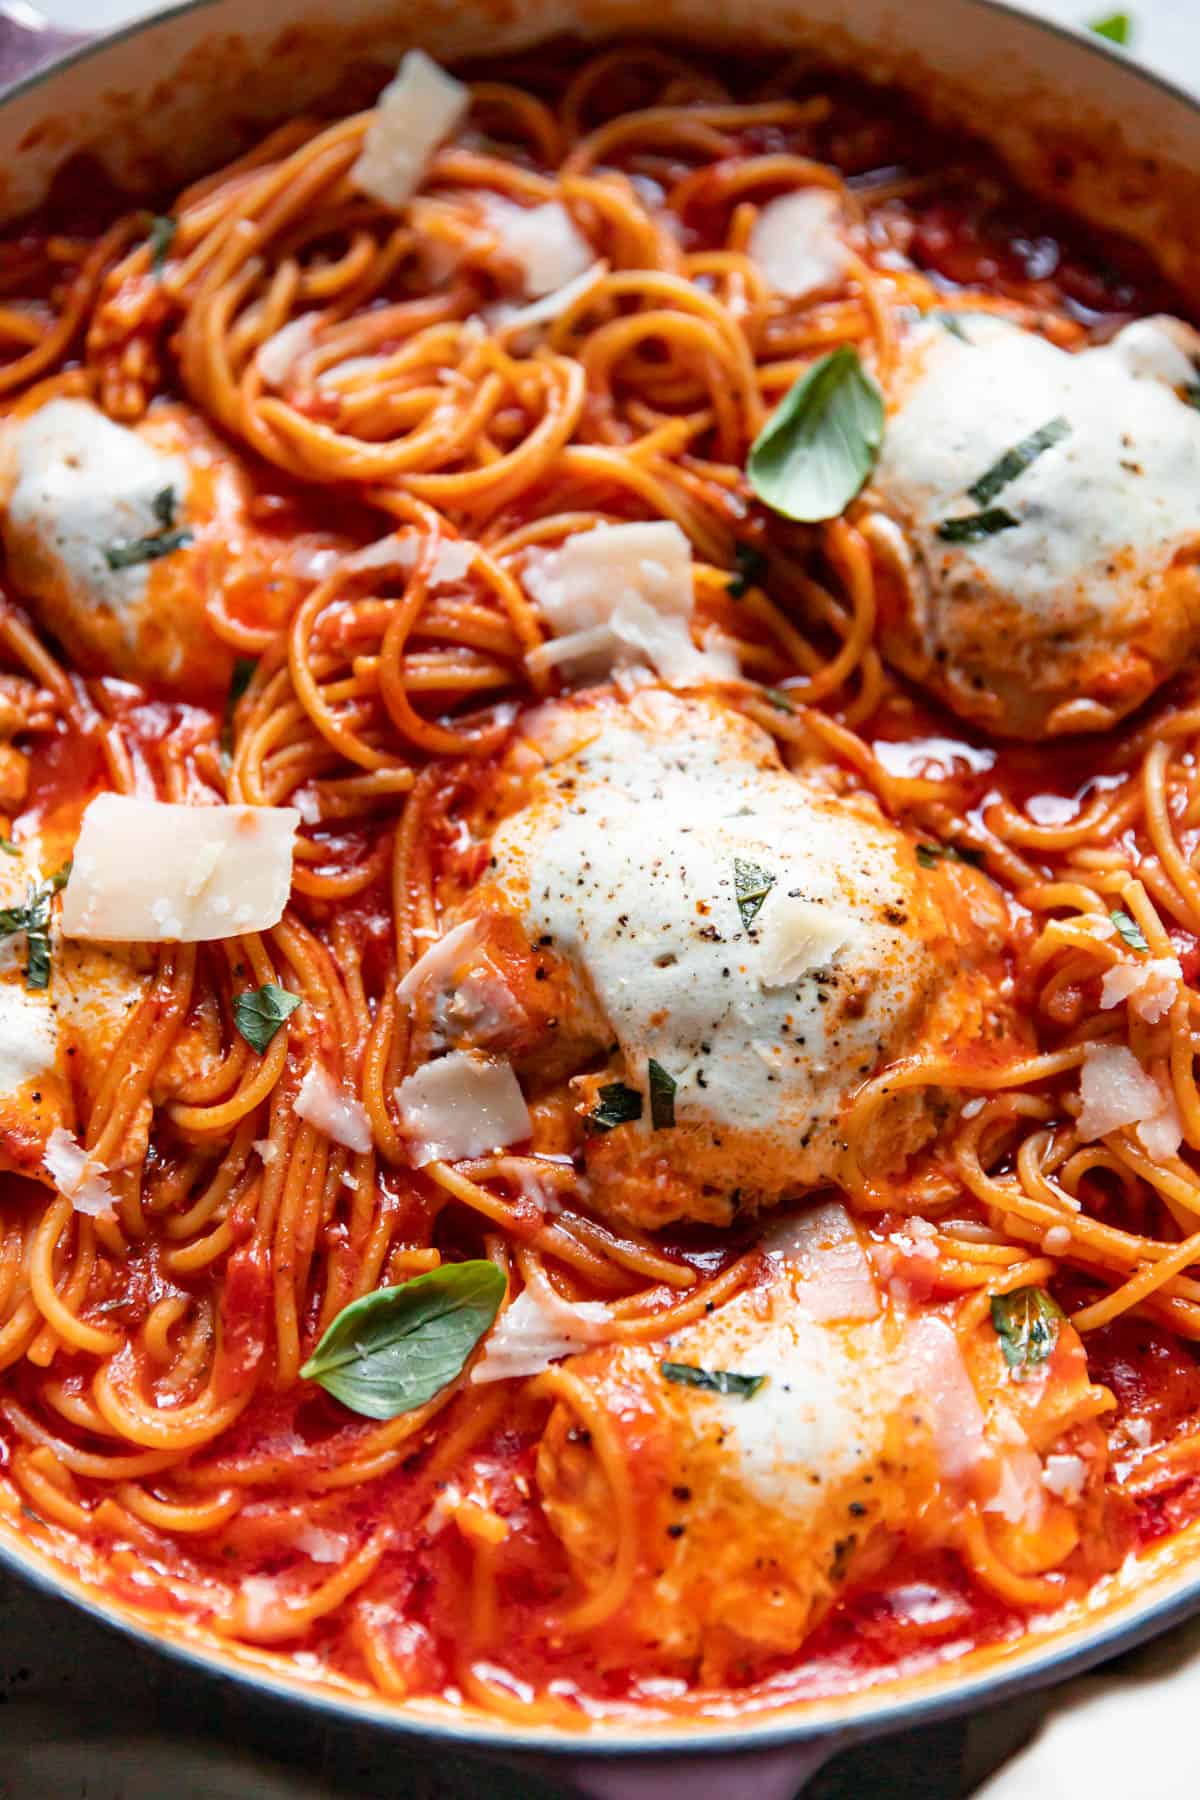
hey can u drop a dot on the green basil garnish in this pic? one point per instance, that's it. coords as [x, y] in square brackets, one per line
[1116, 27]
[971, 527]
[1131, 931]
[34, 920]
[126, 553]
[160, 237]
[616, 1105]
[713, 1381]
[951, 322]
[1014, 462]
[779, 700]
[9, 848]
[259, 1013]
[1026, 1322]
[751, 567]
[820, 444]
[929, 855]
[662, 1096]
[751, 884]
[395, 1349]
[239, 681]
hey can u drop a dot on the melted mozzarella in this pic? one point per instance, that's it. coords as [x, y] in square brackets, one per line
[625, 864]
[621, 595]
[415, 113]
[150, 872]
[797, 243]
[81, 485]
[1070, 617]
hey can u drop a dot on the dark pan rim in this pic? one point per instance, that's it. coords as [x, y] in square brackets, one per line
[1133, 1623]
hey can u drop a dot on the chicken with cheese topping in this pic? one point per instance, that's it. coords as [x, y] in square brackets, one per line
[785, 1446]
[716, 951]
[1035, 521]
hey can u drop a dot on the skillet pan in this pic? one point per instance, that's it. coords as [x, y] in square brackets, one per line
[180, 91]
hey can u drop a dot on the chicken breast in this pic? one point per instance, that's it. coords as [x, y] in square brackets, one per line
[1035, 521]
[732, 948]
[118, 537]
[781, 1448]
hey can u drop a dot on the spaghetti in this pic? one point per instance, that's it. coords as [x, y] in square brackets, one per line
[344, 371]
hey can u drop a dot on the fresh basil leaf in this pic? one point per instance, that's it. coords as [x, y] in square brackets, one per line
[751, 884]
[1014, 462]
[662, 1096]
[1116, 27]
[820, 444]
[34, 920]
[1131, 931]
[751, 567]
[239, 681]
[9, 848]
[1191, 394]
[779, 700]
[714, 1381]
[952, 322]
[163, 507]
[160, 238]
[395, 1349]
[616, 1105]
[972, 526]
[929, 855]
[259, 1013]
[127, 553]
[1026, 1322]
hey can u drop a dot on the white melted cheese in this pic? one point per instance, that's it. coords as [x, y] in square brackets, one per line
[81, 484]
[625, 863]
[797, 243]
[1100, 512]
[415, 113]
[151, 872]
[28, 1038]
[622, 595]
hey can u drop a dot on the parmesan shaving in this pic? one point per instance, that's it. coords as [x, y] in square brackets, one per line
[399, 550]
[1150, 986]
[796, 243]
[515, 322]
[1116, 1091]
[76, 1177]
[327, 1106]
[276, 356]
[529, 1337]
[461, 1105]
[796, 937]
[543, 241]
[414, 114]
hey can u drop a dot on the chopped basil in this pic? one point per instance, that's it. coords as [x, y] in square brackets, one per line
[929, 855]
[9, 848]
[779, 700]
[395, 1349]
[662, 1096]
[751, 884]
[1131, 931]
[972, 526]
[1191, 394]
[751, 567]
[239, 681]
[616, 1105]
[820, 444]
[126, 553]
[1014, 462]
[1026, 1323]
[714, 1381]
[952, 322]
[160, 238]
[1116, 27]
[259, 1013]
[34, 920]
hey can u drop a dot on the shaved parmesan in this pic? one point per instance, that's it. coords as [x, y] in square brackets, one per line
[509, 321]
[1065, 1476]
[938, 1378]
[1116, 1091]
[415, 113]
[152, 872]
[443, 961]
[543, 241]
[621, 594]
[528, 1337]
[1150, 986]
[292, 341]
[262, 1601]
[461, 1105]
[321, 1546]
[399, 550]
[796, 243]
[76, 1177]
[796, 937]
[327, 1106]
[823, 1248]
